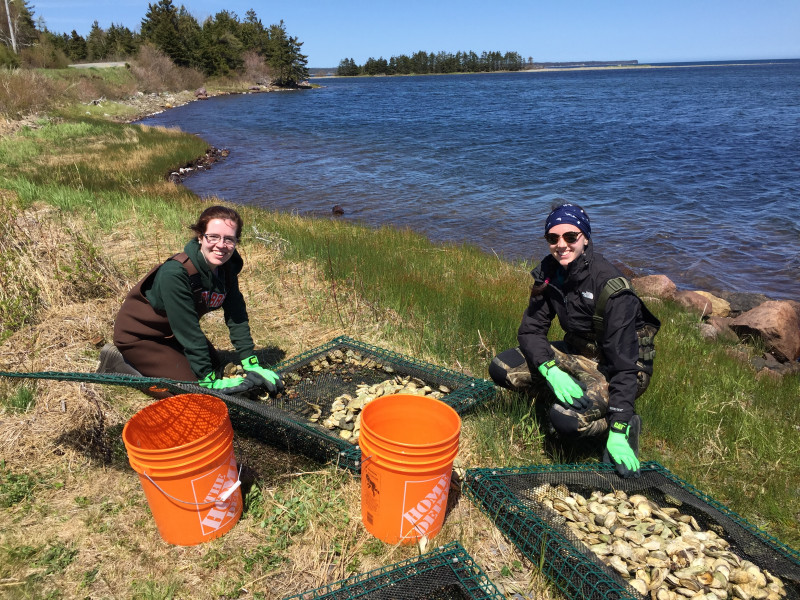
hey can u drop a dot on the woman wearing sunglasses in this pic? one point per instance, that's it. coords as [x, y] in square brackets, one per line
[157, 332]
[605, 360]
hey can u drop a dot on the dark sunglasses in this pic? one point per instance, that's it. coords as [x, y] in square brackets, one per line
[569, 236]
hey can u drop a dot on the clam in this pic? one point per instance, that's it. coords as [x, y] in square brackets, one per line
[618, 564]
[639, 585]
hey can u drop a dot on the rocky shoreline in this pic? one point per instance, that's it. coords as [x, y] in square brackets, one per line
[147, 105]
[734, 316]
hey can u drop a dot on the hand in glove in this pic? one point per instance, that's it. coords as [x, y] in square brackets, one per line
[228, 385]
[272, 381]
[566, 389]
[622, 447]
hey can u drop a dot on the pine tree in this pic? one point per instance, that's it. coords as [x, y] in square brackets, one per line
[160, 28]
[253, 34]
[76, 47]
[347, 68]
[191, 36]
[222, 45]
[120, 42]
[96, 43]
[287, 64]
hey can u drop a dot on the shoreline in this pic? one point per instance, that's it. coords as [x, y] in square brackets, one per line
[583, 68]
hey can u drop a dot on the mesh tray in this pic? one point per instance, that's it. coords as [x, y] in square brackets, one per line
[296, 432]
[447, 573]
[503, 494]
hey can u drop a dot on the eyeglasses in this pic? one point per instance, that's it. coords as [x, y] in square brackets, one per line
[214, 238]
[569, 236]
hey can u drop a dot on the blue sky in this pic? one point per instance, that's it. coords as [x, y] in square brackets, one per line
[547, 30]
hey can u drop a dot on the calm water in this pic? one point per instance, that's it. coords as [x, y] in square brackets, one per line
[690, 172]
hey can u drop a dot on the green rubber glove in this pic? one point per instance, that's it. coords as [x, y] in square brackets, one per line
[228, 385]
[272, 381]
[619, 451]
[563, 385]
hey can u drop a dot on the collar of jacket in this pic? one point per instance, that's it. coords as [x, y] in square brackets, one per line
[234, 264]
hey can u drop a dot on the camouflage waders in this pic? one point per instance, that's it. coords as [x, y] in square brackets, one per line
[510, 370]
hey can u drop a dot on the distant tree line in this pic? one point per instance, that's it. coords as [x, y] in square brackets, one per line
[221, 45]
[422, 63]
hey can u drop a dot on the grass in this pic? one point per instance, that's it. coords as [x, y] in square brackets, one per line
[85, 210]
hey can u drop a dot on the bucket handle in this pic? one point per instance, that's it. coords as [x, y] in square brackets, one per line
[366, 459]
[221, 498]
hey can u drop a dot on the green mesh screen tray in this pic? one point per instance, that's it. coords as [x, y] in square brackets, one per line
[447, 573]
[315, 379]
[525, 503]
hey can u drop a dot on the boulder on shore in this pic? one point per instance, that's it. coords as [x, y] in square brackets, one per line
[659, 286]
[719, 307]
[776, 323]
[694, 302]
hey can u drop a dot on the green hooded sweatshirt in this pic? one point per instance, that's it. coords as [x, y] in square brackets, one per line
[171, 293]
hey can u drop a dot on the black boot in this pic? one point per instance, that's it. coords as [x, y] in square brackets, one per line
[111, 361]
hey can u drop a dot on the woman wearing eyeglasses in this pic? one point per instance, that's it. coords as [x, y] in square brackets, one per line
[157, 330]
[605, 360]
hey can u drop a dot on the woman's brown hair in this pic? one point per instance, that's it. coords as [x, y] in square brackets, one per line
[217, 212]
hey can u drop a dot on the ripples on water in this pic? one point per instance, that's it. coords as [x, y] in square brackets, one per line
[690, 172]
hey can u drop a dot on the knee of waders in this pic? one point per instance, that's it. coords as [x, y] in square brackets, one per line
[564, 420]
[509, 369]
[568, 421]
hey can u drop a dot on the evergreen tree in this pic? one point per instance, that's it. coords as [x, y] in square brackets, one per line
[191, 36]
[442, 62]
[347, 68]
[120, 42]
[287, 64]
[76, 47]
[223, 48]
[96, 43]
[253, 34]
[160, 28]
[419, 63]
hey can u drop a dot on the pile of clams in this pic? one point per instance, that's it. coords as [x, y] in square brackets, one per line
[345, 415]
[662, 553]
[338, 357]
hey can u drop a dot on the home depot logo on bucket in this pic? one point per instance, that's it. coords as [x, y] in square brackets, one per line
[182, 449]
[421, 516]
[208, 487]
[408, 444]
[421, 507]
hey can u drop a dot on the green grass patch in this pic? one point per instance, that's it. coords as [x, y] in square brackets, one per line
[451, 299]
[15, 487]
[112, 76]
[47, 559]
[135, 158]
[154, 589]
[18, 399]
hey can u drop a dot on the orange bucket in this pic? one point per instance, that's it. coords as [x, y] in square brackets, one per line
[182, 449]
[408, 444]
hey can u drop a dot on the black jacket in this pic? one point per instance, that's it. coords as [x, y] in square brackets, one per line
[570, 295]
